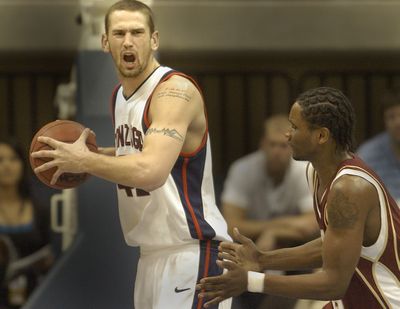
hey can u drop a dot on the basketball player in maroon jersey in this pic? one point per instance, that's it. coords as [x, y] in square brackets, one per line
[358, 251]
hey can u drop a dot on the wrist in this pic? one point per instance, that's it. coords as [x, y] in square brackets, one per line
[259, 263]
[87, 160]
[255, 282]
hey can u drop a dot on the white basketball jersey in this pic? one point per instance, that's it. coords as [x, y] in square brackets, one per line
[184, 208]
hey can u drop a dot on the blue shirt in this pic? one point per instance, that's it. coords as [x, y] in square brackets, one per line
[379, 155]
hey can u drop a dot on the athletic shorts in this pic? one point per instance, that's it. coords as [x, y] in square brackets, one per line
[166, 278]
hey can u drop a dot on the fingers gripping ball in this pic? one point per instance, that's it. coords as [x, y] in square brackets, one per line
[64, 131]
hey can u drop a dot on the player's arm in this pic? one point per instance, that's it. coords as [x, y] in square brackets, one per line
[237, 217]
[173, 108]
[246, 254]
[349, 204]
[288, 230]
[350, 201]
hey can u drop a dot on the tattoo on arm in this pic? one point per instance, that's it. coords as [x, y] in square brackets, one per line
[167, 132]
[342, 212]
[174, 93]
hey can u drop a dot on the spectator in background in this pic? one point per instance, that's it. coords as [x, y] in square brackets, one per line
[266, 196]
[382, 152]
[24, 231]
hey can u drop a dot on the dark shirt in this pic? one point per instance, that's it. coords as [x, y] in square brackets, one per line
[27, 239]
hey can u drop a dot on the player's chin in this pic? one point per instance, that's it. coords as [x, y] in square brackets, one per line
[298, 157]
[129, 72]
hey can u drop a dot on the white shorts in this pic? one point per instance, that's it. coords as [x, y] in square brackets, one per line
[167, 278]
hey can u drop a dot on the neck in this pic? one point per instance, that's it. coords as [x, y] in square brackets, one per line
[276, 175]
[8, 194]
[131, 84]
[326, 166]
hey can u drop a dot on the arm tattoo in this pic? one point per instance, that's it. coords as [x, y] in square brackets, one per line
[342, 212]
[167, 132]
[174, 93]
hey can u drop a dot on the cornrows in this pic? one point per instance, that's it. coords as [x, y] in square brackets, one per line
[330, 108]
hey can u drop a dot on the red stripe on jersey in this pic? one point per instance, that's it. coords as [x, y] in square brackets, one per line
[206, 267]
[112, 103]
[190, 207]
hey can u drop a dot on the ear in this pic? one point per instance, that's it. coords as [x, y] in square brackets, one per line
[104, 43]
[155, 40]
[323, 135]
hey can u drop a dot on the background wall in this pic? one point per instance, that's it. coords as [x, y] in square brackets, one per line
[251, 57]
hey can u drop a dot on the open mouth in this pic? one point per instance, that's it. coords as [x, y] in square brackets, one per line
[129, 58]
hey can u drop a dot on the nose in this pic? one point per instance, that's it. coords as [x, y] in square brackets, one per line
[128, 42]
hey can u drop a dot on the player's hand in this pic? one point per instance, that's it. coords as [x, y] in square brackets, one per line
[244, 253]
[230, 284]
[66, 157]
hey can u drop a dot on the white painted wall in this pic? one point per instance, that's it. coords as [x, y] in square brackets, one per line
[199, 25]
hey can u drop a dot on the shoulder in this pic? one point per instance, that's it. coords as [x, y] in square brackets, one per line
[351, 185]
[373, 146]
[180, 92]
[179, 81]
[350, 199]
[250, 165]
[254, 160]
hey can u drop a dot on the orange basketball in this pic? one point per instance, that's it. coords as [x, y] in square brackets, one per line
[64, 131]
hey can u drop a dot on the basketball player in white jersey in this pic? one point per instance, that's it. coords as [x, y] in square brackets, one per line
[161, 163]
[358, 251]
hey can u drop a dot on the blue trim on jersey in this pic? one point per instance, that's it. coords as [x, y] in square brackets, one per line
[195, 171]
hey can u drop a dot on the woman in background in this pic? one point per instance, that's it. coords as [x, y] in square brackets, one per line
[24, 230]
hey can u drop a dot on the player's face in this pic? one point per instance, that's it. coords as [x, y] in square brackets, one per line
[277, 150]
[130, 42]
[392, 122]
[301, 138]
[10, 166]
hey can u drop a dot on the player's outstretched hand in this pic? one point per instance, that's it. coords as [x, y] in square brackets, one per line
[244, 252]
[230, 284]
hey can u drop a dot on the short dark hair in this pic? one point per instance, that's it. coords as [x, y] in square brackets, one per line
[24, 188]
[330, 108]
[132, 6]
[390, 98]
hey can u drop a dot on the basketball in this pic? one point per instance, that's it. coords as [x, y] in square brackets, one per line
[64, 131]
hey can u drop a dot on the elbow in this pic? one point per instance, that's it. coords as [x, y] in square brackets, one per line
[334, 290]
[151, 178]
[333, 294]
[153, 184]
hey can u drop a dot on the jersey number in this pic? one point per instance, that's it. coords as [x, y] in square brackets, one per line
[129, 193]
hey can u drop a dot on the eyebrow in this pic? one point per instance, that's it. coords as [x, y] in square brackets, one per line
[131, 29]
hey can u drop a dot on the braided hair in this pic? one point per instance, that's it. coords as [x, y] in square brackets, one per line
[330, 108]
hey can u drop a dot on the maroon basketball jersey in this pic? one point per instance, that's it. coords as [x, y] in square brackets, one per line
[376, 280]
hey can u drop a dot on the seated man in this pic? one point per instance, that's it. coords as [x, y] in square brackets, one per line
[382, 152]
[266, 196]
